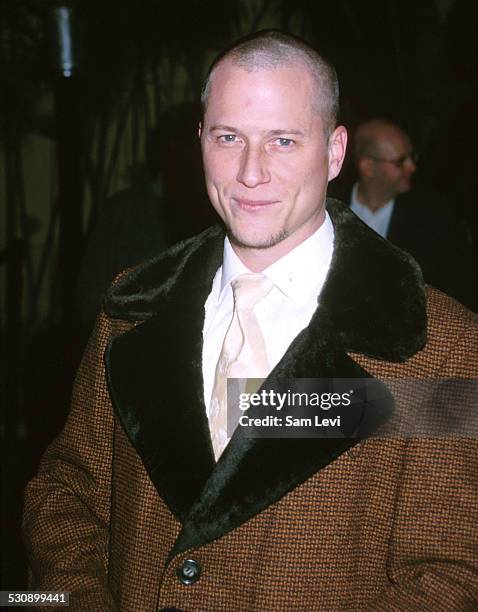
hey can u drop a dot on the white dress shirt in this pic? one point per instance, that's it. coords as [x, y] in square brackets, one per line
[298, 278]
[378, 220]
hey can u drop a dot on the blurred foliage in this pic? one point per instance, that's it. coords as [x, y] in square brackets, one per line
[23, 58]
[116, 42]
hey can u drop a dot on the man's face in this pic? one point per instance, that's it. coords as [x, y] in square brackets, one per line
[266, 159]
[394, 178]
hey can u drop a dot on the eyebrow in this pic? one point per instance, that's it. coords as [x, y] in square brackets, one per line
[292, 132]
[226, 128]
[229, 128]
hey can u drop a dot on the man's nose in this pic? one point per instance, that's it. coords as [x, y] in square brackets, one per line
[253, 170]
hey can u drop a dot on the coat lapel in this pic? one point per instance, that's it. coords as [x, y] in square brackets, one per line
[372, 302]
[154, 370]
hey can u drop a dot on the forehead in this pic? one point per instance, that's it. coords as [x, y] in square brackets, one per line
[395, 141]
[261, 95]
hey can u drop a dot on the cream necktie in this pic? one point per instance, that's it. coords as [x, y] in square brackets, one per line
[243, 353]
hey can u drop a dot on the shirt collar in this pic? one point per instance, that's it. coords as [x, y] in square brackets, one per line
[232, 267]
[292, 273]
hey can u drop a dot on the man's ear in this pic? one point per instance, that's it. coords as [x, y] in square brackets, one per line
[200, 129]
[337, 148]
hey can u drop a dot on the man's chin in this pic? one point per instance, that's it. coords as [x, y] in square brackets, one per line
[257, 242]
[406, 186]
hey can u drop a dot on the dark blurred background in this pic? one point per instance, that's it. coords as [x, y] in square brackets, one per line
[87, 86]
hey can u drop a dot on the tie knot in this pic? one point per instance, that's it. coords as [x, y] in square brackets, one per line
[248, 289]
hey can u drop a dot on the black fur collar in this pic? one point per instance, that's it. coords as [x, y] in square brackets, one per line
[372, 303]
[374, 292]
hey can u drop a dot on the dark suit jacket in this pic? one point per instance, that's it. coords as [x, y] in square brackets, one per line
[437, 239]
[130, 490]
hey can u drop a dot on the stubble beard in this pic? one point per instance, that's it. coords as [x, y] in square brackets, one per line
[272, 241]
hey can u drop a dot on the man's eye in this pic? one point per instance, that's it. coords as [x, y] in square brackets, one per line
[227, 138]
[285, 142]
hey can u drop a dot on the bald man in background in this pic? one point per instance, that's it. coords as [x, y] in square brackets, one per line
[415, 221]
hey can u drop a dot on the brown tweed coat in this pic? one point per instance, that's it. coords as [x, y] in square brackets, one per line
[129, 490]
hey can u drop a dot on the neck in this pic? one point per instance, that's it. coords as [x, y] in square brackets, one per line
[257, 260]
[372, 197]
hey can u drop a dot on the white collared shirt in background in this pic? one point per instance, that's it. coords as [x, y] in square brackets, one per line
[378, 220]
[298, 279]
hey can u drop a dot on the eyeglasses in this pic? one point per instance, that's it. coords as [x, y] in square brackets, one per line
[399, 162]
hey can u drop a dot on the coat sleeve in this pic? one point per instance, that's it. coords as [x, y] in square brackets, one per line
[433, 558]
[67, 505]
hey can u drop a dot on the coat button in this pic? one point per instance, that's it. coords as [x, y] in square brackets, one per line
[189, 571]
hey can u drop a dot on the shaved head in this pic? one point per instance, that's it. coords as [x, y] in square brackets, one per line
[371, 137]
[270, 49]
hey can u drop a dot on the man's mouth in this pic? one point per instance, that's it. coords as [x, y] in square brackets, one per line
[252, 205]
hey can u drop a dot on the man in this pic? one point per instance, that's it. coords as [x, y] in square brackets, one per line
[414, 220]
[144, 503]
[385, 163]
